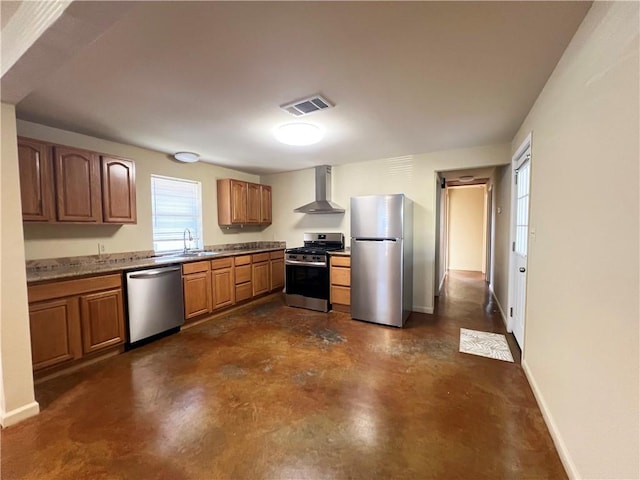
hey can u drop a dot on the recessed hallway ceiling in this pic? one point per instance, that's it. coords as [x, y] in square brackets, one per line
[406, 77]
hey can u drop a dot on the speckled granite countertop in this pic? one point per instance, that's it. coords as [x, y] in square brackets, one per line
[52, 269]
[343, 253]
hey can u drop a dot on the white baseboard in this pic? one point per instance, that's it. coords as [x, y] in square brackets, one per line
[565, 458]
[421, 309]
[504, 315]
[18, 414]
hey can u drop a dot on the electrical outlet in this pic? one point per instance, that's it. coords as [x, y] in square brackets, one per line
[101, 248]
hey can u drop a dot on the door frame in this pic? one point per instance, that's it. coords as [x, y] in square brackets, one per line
[526, 144]
[490, 226]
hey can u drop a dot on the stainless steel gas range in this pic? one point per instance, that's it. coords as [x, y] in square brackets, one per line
[307, 271]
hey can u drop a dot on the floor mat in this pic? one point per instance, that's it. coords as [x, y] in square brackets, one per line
[492, 345]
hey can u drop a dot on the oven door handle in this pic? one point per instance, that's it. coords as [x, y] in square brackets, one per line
[306, 264]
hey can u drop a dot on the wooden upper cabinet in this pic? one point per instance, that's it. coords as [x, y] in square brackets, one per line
[66, 184]
[253, 203]
[36, 180]
[243, 203]
[265, 204]
[232, 202]
[118, 190]
[78, 196]
[238, 202]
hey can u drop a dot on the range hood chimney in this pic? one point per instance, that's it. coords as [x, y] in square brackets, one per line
[323, 203]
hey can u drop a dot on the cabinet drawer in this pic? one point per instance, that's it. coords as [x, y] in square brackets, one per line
[243, 274]
[243, 292]
[276, 255]
[260, 257]
[341, 276]
[68, 288]
[242, 260]
[195, 267]
[341, 295]
[221, 263]
[340, 261]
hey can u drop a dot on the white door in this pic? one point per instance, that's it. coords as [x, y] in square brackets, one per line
[520, 244]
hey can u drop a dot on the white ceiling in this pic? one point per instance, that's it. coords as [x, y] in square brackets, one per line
[406, 77]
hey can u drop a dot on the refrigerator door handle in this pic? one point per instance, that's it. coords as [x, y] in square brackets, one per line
[376, 239]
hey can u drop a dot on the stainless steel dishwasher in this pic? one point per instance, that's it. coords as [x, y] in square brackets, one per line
[154, 301]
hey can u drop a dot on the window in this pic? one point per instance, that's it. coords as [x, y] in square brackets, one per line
[176, 204]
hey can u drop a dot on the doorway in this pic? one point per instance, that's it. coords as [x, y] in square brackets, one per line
[464, 222]
[521, 168]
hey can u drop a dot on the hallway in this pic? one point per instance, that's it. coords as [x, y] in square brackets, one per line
[277, 393]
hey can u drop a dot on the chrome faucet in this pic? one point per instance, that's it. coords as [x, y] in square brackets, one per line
[184, 239]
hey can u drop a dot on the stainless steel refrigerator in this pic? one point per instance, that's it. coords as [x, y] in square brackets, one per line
[381, 259]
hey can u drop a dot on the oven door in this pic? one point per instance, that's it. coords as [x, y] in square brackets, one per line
[307, 281]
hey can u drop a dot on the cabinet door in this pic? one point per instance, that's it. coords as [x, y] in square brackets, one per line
[253, 203]
[102, 320]
[261, 283]
[36, 180]
[197, 294]
[238, 201]
[78, 196]
[118, 190]
[55, 332]
[223, 287]
[277, 274]
[265, 204]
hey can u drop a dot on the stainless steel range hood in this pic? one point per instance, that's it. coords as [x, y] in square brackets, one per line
[323, 203]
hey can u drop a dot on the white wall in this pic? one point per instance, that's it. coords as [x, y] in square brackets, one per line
[415, 176]
[502, 208]
[467, 227]
[60, 240]
[17, 397]
[582, 317]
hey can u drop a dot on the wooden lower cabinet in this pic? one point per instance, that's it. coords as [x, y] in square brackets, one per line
[72, 318]
[243, 277]
[243, 292]
[277, 270]
[340, 277]
[102, 320]
[222, 283]
[197, 294]
[55, 332]
[261, 273]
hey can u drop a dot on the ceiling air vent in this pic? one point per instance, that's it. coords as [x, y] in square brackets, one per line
[307, 106]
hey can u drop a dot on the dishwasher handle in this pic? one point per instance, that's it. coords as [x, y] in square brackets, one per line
[154, 273]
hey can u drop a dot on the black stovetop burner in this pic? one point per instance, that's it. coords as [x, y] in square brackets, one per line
[317, 250]
[319, 244]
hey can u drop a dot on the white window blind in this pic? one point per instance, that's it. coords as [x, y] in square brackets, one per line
[176, 204]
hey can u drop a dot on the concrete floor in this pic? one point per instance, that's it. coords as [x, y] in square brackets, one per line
[283, 393]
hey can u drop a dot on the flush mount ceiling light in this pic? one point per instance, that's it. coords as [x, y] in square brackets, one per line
[299, 133]
[466, 179]
[187, 157]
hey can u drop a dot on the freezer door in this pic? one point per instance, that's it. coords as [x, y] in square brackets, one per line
[376, 281]
[377, 216]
